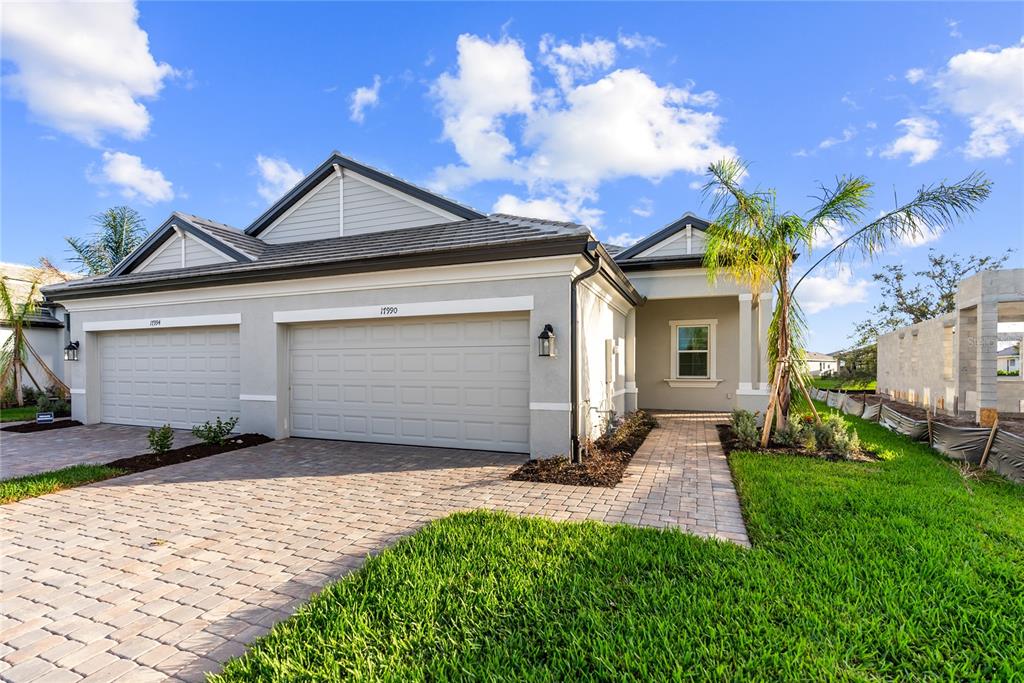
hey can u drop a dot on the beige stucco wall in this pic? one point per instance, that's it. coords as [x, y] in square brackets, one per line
[264, 351]
[654, 353]
[602, 355]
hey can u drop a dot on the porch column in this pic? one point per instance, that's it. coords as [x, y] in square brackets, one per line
[746, 345]
[630, 379]
[764, 320]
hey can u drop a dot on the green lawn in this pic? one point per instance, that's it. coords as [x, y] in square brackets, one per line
[856, 384]
[895, 570]
[48, 482]
[17, 414]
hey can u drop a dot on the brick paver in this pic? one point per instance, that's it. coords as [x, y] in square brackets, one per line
[22, 454]
[171, 572]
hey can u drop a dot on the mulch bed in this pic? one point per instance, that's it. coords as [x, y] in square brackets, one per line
[150, 461]
[42, 427]
[730, 444]
[597, 469]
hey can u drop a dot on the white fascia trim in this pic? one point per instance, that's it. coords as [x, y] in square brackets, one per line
[78, 392]
[405, 310]
[549, 406]
[269, 398]
[746, 390]
[295, 207]
[401, 195]
[162, 323]
[605, 297]
[456, 274]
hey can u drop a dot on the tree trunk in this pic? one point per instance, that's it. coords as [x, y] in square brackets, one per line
[19, 397]
[784, 350]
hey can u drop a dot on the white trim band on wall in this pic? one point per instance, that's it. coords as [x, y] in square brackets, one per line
[161, 323]
[78, 391]
[550, 406]
[257, 397]
[406, 310]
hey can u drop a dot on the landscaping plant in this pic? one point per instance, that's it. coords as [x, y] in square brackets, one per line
[16, 349]
[756, 243]
[744, 426]
[120, 230]
[161, 439]
[215, 433]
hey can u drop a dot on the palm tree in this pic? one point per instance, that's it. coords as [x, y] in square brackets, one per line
[121, 229]
[16, 349]
[754, 242]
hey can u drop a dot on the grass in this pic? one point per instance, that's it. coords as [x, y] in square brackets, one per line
[18, 414]
[47, 482]
[849, 384]
[892, 570]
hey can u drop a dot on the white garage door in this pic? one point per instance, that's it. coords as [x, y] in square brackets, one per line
[454, 381]
[182, 377]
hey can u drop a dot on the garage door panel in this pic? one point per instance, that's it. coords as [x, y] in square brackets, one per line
[182, 378]
[461, 381]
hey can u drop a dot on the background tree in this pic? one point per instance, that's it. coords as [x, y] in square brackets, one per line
[756, 243]
[120, 230]
[16, 349]
[930, 294]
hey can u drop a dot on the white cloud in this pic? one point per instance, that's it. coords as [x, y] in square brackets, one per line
[638, 41]
[363, 98]
[954, 28]
[82, 68]
[644, 207]
[135, 181]
[848, 100]
[986, 87]
[828, 236]
[493, 81]
[277, 176]
[914, 75]
[696, 185]
[927, 236]
[569, 62]
[548, 208]
[848, 134]
[836, 286]
[624, 239]
[920, 141]
[572, 139]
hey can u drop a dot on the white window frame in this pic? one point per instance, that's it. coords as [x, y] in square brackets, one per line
[712, 379]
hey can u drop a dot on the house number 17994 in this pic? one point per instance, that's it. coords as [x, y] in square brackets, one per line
[389, 310]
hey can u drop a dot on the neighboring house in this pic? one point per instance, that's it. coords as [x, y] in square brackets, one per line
[1008, 360]
[47, 330]
[952, 362]
[361, 307]
[819, 364]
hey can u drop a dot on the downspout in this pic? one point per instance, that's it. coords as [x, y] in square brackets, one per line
[574, 437]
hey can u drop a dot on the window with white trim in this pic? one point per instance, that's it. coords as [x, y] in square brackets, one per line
[693, 349]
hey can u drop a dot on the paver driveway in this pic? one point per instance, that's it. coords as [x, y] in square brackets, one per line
[171, 572]
[32, 452]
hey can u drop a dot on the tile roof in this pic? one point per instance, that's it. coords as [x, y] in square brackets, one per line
[498, 231]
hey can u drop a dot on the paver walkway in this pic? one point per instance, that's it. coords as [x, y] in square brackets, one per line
[31, 452]
[169, 573]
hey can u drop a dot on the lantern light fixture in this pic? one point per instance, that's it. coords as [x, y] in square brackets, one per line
[71, 351]
[546, 342]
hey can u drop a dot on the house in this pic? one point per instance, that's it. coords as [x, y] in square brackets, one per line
[1008, 360]
[362, 307]
[46, 330]
[951, 363]
[820, 364]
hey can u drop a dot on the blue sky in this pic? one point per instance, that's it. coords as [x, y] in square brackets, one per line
[602, 113]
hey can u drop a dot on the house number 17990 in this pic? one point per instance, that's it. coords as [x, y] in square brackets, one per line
[389, 310]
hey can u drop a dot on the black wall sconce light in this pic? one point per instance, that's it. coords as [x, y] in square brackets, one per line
[71, 351]
[546, 342]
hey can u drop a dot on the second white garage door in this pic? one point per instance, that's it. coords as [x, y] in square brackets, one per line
[182, 377]
[453, 381]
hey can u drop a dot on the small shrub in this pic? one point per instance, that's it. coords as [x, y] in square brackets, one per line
[30, 395]
[833, 435]
[43, 403]
[161, 439]
[7, 396]
[627, 433]
[791, 435]
[214, 433]
[744, 426]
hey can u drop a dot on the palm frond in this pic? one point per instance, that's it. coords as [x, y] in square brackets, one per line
[839, 206]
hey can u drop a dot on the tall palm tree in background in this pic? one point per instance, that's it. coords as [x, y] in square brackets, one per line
[756, 243]
[121, 229]
[16, 349]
